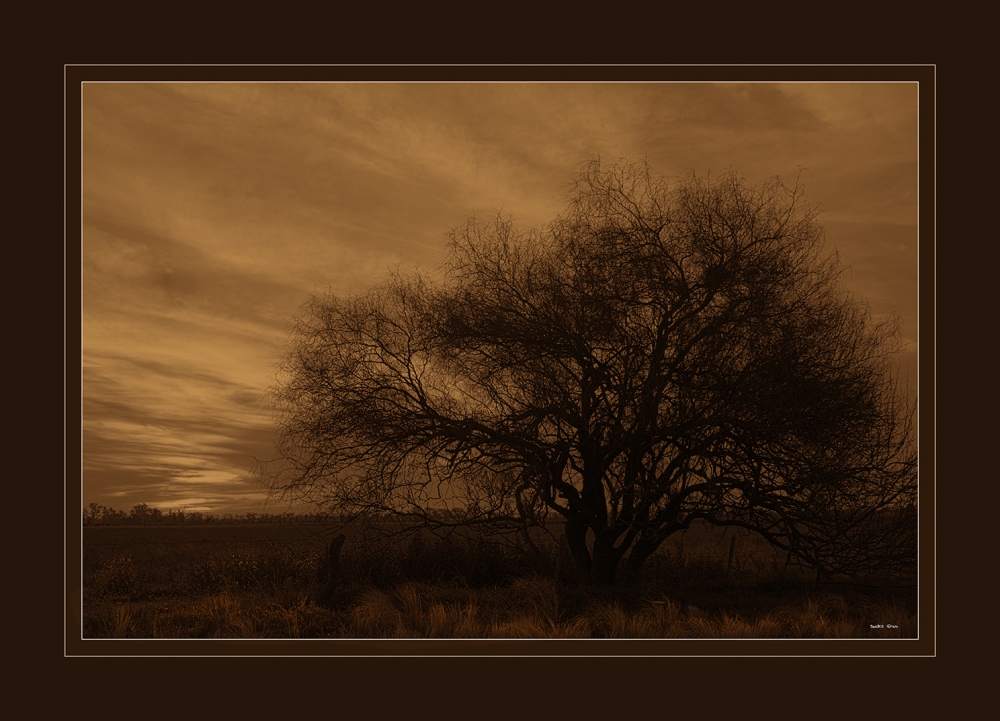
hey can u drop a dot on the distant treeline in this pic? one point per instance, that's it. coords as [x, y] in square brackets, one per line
[142, 514]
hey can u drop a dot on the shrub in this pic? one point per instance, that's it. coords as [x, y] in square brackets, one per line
[249, 569]
[118, 579]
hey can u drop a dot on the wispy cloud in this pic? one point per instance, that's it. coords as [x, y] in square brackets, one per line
[213, 211]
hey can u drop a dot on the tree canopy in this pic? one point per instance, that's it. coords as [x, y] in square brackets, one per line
[660, 352]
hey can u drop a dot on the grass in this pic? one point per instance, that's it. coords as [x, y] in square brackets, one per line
[191, 582]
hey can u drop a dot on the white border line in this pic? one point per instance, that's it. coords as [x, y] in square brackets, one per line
[494, 82]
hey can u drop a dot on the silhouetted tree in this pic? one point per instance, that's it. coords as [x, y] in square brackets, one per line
[93, 512]
[659, 353]
[141, 513]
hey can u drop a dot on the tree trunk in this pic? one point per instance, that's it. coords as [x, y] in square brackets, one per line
[604, 565]
[330, 571]
[642, 549]
[576, 539]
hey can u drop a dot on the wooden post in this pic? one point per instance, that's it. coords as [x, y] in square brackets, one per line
[330, 571]
[559, 550]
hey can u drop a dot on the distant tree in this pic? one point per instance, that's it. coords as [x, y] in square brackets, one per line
[659, 353]
[94, 512]
[142, 513]
[114, 516]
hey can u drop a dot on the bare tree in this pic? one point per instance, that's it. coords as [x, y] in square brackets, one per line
[659, 353]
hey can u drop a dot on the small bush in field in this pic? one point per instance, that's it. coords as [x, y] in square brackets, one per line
[247, 569]
[118, 578]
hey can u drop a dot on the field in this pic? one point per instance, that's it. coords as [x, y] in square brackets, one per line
[262, 580]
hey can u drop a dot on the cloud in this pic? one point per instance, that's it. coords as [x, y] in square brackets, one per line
[881, 262]
[213, 211]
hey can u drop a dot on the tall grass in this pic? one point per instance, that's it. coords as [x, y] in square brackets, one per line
[459, 588]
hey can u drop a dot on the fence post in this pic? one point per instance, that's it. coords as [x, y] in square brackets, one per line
[331, 571]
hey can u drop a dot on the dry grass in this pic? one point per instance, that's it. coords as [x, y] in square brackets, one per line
[262, 589]
[426, 611]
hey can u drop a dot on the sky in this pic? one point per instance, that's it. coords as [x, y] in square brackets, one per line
[212, 212]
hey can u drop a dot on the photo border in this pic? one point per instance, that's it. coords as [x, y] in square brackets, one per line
[76, 75]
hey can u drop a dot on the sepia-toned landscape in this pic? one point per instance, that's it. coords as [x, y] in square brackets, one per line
[233, 579]
[499, 360]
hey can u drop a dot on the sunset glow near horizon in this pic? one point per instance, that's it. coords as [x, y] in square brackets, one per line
[213, 211]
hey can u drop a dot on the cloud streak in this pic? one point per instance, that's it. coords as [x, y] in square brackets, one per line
[213, 211]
